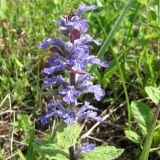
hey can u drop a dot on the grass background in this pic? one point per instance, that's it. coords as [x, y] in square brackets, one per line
[133, 56]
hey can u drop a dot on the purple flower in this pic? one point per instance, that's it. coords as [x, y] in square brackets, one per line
[67, 116]
[70, 94]
[56, 64]
[86, 111]
[89, 87]
[85, 147]
[77, 64]
[73, 23]
[53, 81]
[46, 116]
[73, 56]
[83, 78]
[98, 92]
[80, 47]
[80, 50]
[86, 38]
[52, 41]
[70, 116]
[82, 8]
[80, 24]
[95, 60]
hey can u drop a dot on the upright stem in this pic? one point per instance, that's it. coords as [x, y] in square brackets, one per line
[72, 82]
[71, 152]
[148, 142]
[72, 78]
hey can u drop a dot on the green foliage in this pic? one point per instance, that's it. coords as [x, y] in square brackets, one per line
[2, 8]
[50, 149]
[24, 125]
[20, 154]
[57, 147]
[1, 154]
[153, 93]
[102, 153]
[30, 146]
[142, 115]
[133, 136]
[143, 2]
[148, 142]
[156, 135]
[67, 135]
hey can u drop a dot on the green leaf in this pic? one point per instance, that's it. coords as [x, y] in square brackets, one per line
[114, 30]
[142, 115]
[153, 93]
[133, 136]
[67, 135]
[156, 135]
[143, 2]
[2, 8]
[102, 153]
[50, 150]
[19, 63]
[22, 157]
[111, 70]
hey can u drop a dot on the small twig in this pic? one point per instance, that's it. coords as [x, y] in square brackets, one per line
[105, 109]
[11, 156]
[96, 139]
[154, 149]
[24, 144]
[96, 124]
[7, 111]
[12, 135]
[9, 98]
[40, 132]
[53, 126]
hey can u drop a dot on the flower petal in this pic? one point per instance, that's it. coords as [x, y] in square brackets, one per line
[96, 60]
[85, 147]
[52, 41]
[82, 8]
[86, 106]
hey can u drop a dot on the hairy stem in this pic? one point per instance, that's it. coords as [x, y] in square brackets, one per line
[72, 82]
[71, 152]
[148, 142]
[72, 78]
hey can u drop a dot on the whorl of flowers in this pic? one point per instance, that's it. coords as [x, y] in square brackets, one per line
[72, 56]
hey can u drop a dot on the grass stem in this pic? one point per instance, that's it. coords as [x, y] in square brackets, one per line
[148, 142]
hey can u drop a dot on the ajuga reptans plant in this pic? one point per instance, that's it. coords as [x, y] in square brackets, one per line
[72, 57]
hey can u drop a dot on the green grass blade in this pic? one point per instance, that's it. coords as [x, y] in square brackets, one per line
[124, 88]
[112, 33]
[147, 145]
[30, 147]
[22, 157]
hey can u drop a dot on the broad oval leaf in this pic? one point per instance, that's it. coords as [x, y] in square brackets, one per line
[153, 93]
[67, 135]
[142, 115]
[50, 149]
[133, 136]
[102, 153]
